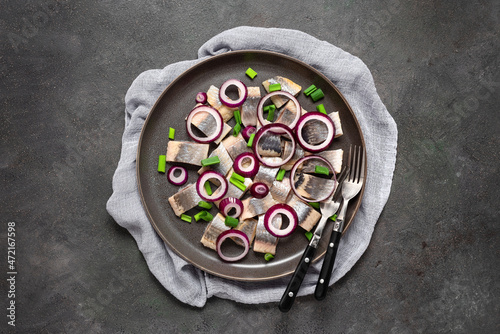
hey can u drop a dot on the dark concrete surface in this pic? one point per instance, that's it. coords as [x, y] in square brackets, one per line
[65, 66]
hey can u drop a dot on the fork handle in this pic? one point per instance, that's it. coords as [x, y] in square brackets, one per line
[298, 276]
[326, 269]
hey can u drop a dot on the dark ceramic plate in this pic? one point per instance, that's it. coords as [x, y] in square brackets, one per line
[170, 111]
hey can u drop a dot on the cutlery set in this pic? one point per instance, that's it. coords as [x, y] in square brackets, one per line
[350, 182]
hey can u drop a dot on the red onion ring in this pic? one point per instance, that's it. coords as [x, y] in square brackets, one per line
[218, 119]
[201, 97]
[259, 190]
[249, 171]
[275, 128]
[317, 116]
[283, 209]
[242, 91]
[247, 132]
[217, 194]
[177, 180]
[229, 203]
[294, 169]
[230, 234]
[260, 107]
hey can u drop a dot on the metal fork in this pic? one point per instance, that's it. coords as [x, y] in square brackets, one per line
[350, 188]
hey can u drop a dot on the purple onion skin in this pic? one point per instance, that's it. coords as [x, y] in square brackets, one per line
[257, 194]
[247, 132]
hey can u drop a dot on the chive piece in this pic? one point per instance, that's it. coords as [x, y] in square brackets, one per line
[238, 184]
[281, 175]
[250, 140]
[321, 108]
[321, 170]
[251, 73]
[237, 116]
[308, 235]
[204, 205]
[317, 95]
[210, 161]
[231, 222]
[270, 112]
[268, 257]
[314, 205]
[171, 133]
[205, 215]
[236, 129]
[199, 215]
[309, 90]
[334, 217]
[162, 162]
[208, 189]
[237, 177]
[274, 87]
[186, 218]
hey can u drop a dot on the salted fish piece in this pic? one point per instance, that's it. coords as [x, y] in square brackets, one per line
[311, 187]
[248, 227]
[213, 230]
[297, 154]
[307, 215]
[213, 99]
[235, 145]
[287, 85]
[265, 242]
[204, 122]
[336, 121]
[249, 107]
[280, 190]
[266, 175]
[256, 206]
[186, 152]
[185, 199]
[288, 113]
[270, 145]
[225, 165]
[334, 157]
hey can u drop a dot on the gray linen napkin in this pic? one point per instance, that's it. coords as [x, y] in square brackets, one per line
[193, 286]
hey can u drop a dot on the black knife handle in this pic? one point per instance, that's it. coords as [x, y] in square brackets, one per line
[326, 269]
[298, 276]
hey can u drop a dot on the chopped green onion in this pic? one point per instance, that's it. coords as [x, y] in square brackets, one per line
[334, 217]
[281, 175]
[231, 222]
[210, 161]
[171, 133]
[162, 162]
[186, 218]
[205, 215]
[238, 184]
[250, 140]
[237, 177]
[208, 189]
[321, 170]
[309, 90]
[204, 205]
[237, 116]
[321, 108]
[270, 112]
[268, 257]
[308, 235]
[317, 95]
[274, 87]
[237, 129]
[251, 73]
[314, 205]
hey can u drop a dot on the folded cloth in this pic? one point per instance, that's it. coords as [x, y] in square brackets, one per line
[193, 286]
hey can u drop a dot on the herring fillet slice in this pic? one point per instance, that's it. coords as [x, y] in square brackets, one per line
[266, 175]
[288, 113]
[256, 206]
[264, 241]
[246, 226]
[186, 152]
[336, 122]
[225, 165]
[213, 99]
[297, 154]
[212, 231]
[206, 123]
[185, 199]
[308, 216]
[235, 145]
[280, 190]
[334, 157]
[287, 85]
[249, 107]
[270, 145]
[311, 187]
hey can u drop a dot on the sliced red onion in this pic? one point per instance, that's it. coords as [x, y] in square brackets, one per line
[201, 97]
[246, 171]
[292, 176]
[315, 116]
[217, 194]
[247, 132]
[229, 203]
[232, 234]
[242, 91]
[177, 180]
[283, 209]
[276, 129]
[218, 120]
[260, 107]
[259, 190]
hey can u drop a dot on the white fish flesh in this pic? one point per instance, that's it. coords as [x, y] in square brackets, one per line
[235, 146]
[312, 187]
[185, 199]
[338, 125]
[256, 206]
[225, 164]
[266, 175]
[264, 241]
[287, 85]
[249, 107]
[334, 157]
[270, 145]
[213, 230]
[246, 226]
[280, 190]
[307, 215]
[288, 113]
[186, 152]
[213, 99]
[297, 154]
